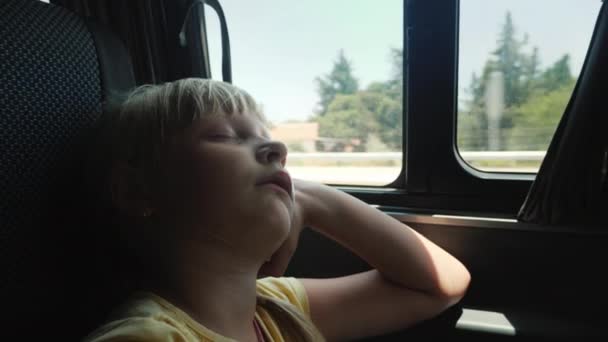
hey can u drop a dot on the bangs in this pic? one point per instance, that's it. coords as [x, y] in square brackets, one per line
[152, 115]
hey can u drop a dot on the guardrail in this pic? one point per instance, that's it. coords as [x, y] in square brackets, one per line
[397, 156]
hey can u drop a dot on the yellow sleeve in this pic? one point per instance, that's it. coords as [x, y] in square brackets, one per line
[288, 289]
[137, 329]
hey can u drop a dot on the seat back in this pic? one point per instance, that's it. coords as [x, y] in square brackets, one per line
[52, 89]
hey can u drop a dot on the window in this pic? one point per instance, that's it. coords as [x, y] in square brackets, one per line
[518, 64]
[328, 75]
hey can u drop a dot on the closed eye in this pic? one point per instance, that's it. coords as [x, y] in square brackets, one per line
[237, 137]
[222, 138]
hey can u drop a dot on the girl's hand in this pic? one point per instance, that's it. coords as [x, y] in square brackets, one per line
[280, 259]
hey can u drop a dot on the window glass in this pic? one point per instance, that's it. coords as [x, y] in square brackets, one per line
[328, 75]
[518, 64]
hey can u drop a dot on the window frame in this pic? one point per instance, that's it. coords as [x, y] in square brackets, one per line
[434, 176]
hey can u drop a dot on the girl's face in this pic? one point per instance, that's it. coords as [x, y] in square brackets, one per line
[226, 184]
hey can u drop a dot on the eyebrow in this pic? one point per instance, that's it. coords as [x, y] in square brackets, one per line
[258, 129]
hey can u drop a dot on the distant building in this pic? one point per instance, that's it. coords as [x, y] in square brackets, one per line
[298, 136]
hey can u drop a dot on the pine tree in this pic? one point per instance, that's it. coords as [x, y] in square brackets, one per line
[557, 75]
[339, 81]
[518, 71]
[511, 62]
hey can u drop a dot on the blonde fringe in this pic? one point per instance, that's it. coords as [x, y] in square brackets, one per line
[151, 115]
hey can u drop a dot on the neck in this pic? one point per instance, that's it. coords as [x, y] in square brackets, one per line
[212, 285]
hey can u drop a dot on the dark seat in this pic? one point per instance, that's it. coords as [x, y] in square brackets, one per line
[56, 71]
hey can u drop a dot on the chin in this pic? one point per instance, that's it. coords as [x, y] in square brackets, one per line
[276, 221]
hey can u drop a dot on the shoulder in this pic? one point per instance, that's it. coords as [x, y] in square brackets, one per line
[287, 289]
[142, 318]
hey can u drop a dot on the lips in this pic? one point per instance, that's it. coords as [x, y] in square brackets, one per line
[280, 179]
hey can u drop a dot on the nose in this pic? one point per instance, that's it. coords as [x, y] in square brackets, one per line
[272, 152]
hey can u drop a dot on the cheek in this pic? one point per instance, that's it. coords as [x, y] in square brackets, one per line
[214, 183]
[219, 193]
[223, 174]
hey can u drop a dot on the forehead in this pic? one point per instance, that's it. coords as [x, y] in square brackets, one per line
[249, 122]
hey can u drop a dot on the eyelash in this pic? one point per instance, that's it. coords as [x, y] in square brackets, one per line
[220, 137]
[238, 137]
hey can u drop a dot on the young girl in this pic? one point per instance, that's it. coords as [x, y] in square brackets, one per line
[202, 202]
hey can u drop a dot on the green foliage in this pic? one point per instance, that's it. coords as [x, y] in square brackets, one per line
[346, 118]
[339, 81]
[397, 63]
[373, 112]
[535, 120]
[534, 100]
[557, 75]
[387, 117]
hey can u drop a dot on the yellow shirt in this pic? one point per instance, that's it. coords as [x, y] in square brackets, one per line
[148, 317]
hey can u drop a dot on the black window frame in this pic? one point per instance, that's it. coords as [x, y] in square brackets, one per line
[434, 177]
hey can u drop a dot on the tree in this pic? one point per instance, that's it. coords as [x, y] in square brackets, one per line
[386, 110]
[525, 86]
[384, 101]
[531, 69]
[472, 123]
[535, 120]
[511, 62]
[557, 75]
[393, 87]
[357, 116]
[375, 111]
[339, 81]
[395, 82]
[347, 118]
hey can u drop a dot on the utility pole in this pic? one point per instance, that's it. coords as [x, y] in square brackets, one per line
[495, 95]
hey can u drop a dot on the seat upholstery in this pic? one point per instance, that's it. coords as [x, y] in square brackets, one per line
[52, 89]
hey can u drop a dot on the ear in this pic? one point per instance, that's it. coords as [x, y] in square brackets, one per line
[130, 190]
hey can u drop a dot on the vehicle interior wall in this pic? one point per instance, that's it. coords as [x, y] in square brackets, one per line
[547, 283]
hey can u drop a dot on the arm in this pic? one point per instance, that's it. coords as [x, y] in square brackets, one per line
[413, 280]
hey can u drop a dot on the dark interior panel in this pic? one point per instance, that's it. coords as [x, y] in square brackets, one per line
[546, 283]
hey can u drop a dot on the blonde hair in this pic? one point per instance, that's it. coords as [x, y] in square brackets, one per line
[136, 129]
[152, 114]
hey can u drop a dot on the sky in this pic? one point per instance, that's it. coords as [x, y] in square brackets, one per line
[279, 47]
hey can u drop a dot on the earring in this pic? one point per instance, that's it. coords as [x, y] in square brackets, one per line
[147, 212]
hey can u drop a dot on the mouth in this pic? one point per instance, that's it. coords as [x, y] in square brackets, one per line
[280, 180]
